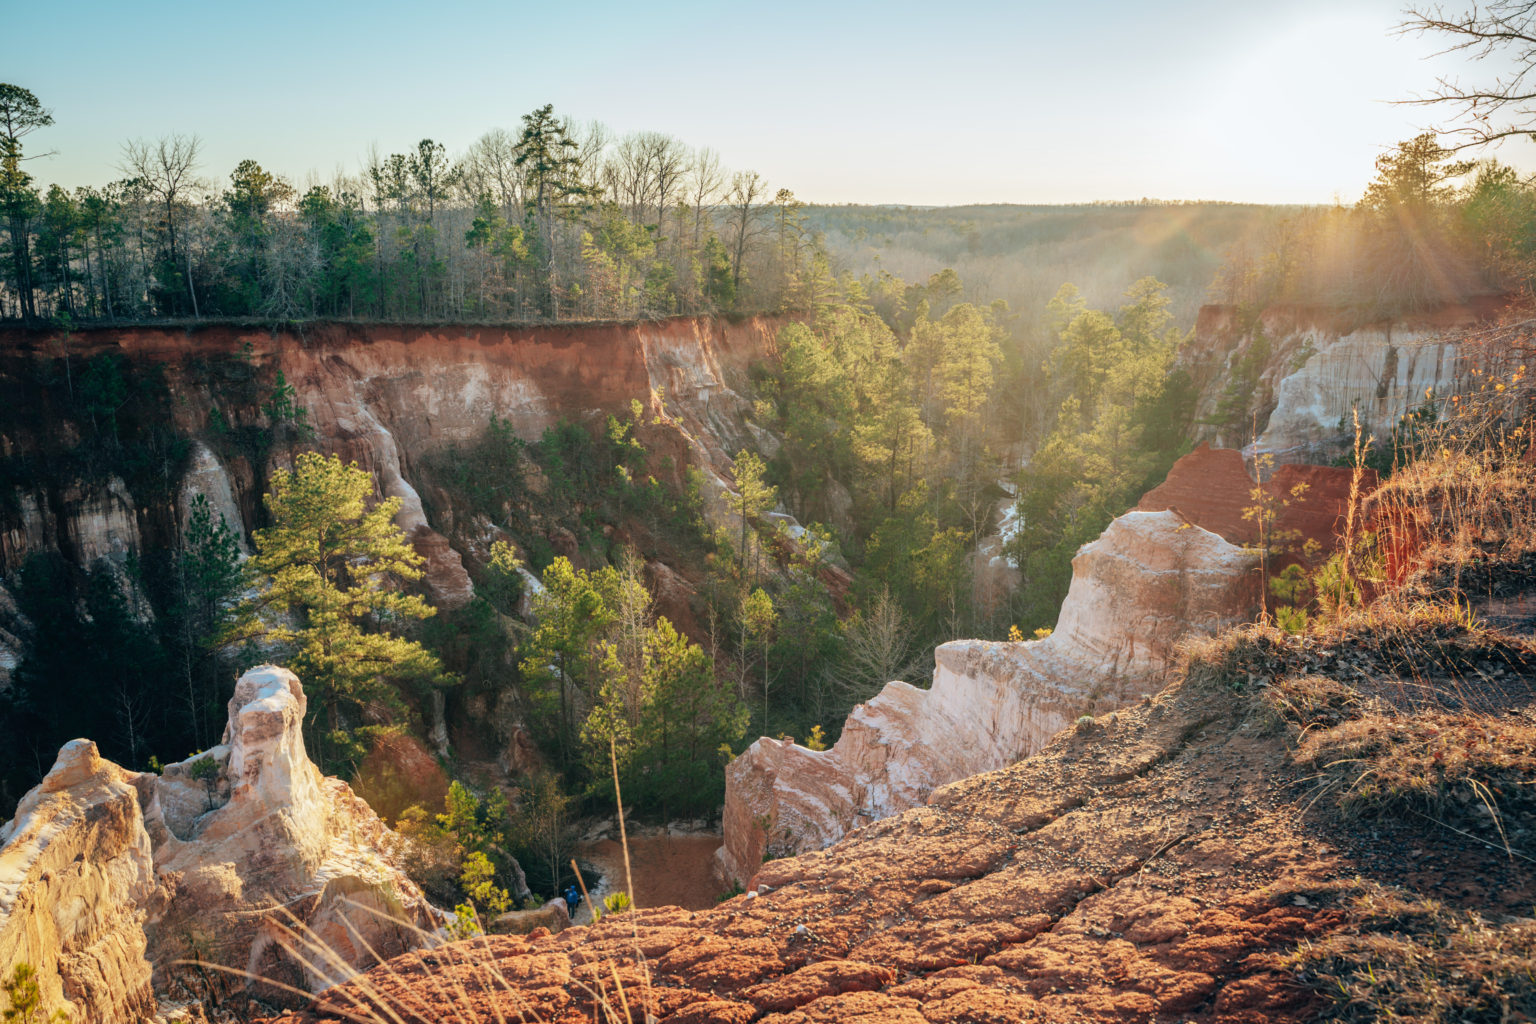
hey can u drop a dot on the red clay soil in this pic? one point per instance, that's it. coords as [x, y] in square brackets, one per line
[398, 772]
[1211, 488]
[1144, 867]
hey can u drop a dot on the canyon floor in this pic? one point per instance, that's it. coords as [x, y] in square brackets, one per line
[1256, 843]
[665, 869]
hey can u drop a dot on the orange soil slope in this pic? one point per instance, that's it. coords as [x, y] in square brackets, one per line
[1144, 867]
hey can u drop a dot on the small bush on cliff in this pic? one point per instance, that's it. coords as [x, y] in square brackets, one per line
[433, 858]
[478, 881]
[25, 997]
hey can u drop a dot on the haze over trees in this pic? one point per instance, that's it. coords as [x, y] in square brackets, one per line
[1435, 225]
[1431, 229]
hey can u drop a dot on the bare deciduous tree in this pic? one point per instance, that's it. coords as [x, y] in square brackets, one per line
[1502, 108]
[747, 189]
[165, 167]
[706, 179]
[877, 649]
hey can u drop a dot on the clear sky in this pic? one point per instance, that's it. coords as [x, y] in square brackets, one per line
[883, 102]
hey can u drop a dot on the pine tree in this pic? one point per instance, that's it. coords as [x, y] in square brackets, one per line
[754, 496]
[330, 564]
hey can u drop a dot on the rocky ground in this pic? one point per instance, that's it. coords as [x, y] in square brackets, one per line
[1194, 857]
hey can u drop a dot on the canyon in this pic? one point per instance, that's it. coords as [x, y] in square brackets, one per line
[1183, 563]
[108, 876]
[1149, 865]
[201, 407]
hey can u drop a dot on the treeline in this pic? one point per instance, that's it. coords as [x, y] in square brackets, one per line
[554, 220]
[1430, 229]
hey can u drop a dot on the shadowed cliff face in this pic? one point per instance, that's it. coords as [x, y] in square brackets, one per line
[108, 436]
[386, 396]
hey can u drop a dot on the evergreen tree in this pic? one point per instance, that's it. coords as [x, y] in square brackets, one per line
[208, 577]
[329, 567]
[753, 497]
[20, 114]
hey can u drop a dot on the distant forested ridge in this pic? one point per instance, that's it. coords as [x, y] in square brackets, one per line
[1022, 254]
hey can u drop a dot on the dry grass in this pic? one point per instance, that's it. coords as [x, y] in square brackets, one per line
[1405, 704]
[1400, 708]
[1411, 653]
[1440, 765]
[1462, 493]
[1405, 711]
[463, 981]
[1399, 958]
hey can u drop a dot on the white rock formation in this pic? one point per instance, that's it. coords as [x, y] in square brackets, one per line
[1384, 372]
[15, 628]
[100, 521]
[1147, 581]
[30, 530]
[77, 882]
[105, 872]
[281, 840]
[206, 476]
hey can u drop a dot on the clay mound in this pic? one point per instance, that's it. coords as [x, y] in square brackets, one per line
[76, 882]
[1212, 488]
[275, 845]
[106, 873]
[1148, 866]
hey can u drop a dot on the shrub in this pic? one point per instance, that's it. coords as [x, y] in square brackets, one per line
[25, 998]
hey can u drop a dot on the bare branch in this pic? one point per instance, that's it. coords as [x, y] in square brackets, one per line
[1486, 113]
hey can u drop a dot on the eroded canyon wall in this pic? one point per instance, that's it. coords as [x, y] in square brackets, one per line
[1298, 375]
[388, 396]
